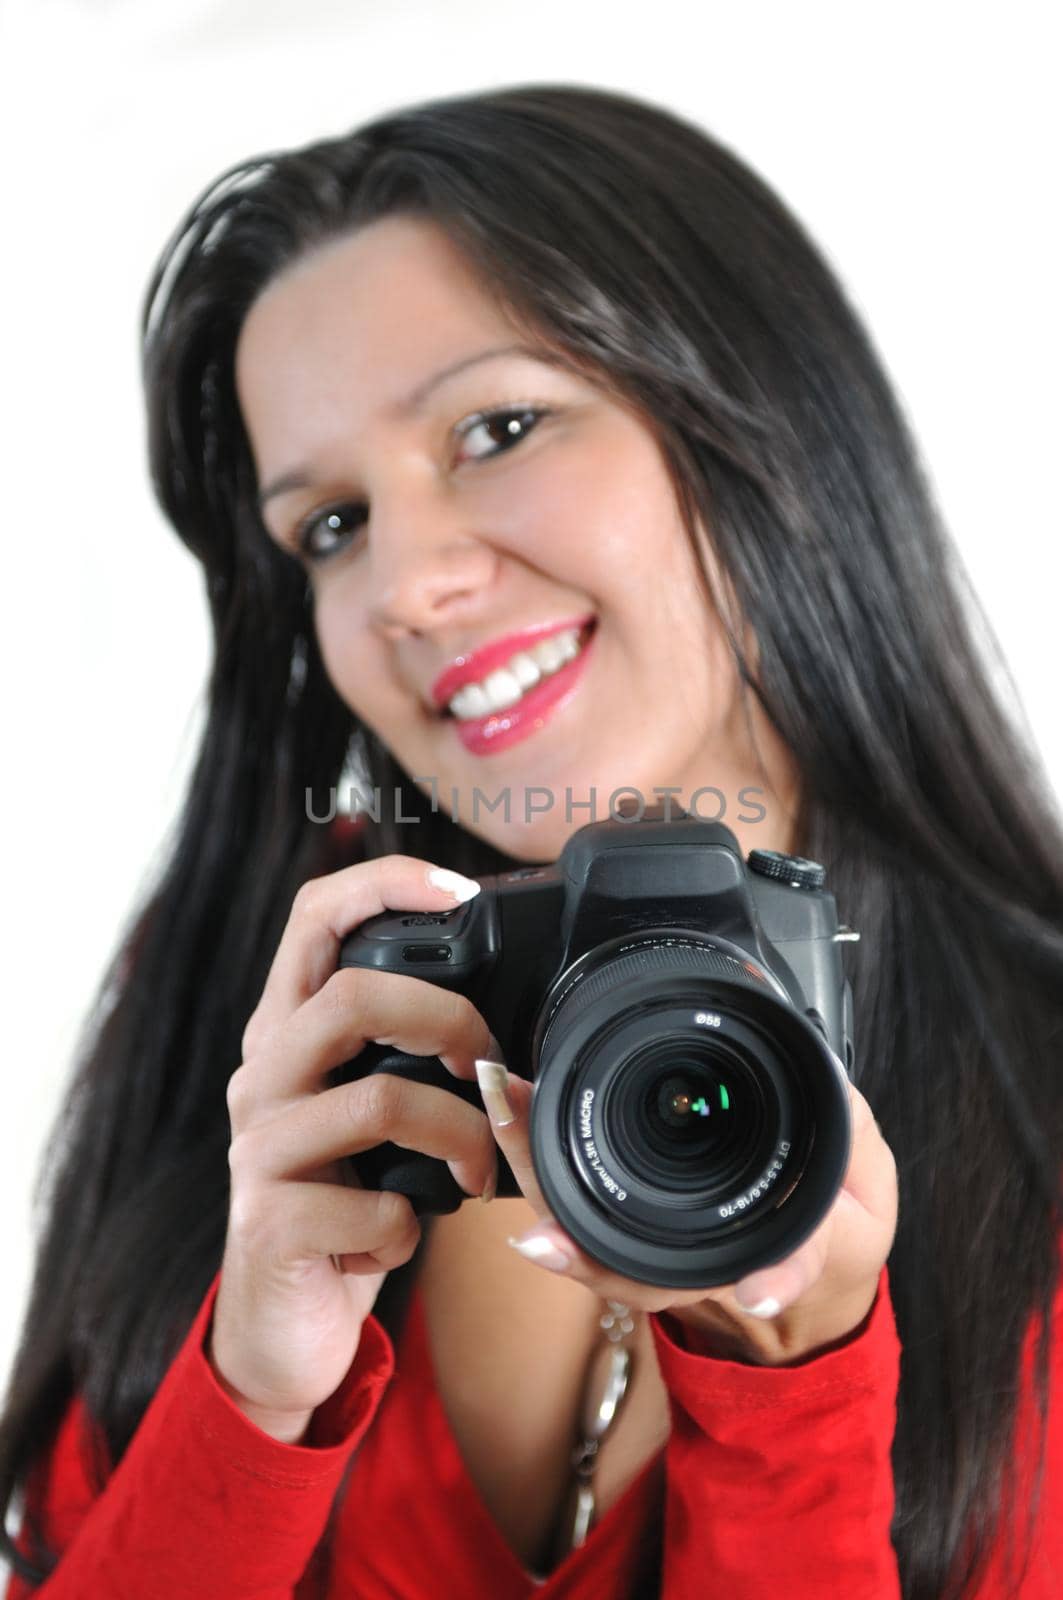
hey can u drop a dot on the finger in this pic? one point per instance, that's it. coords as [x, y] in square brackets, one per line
[871, 1176]
[772, 1290]
[358, 1116]
[507, 1101]
[858, 1228]
[548, 1245]
[356, 1006]
[367, 1230]
[324, 911]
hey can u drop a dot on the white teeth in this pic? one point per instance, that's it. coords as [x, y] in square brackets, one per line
[507, 684]
[549, 655]
[502, 688]
[525, 670]
[470, 701]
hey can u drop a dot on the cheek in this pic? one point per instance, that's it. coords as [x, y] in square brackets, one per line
[602, 518]
[353, 657]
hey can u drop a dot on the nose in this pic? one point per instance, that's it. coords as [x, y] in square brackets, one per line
[424, 569]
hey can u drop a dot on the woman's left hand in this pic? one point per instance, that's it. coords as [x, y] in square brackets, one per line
[787, 1312]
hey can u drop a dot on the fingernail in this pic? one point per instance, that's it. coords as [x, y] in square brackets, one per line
[492, 1078]
[453, 882]
[752, 1299]
[540, 1248]
[491, 1186]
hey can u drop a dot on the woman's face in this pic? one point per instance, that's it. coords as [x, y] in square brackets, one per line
[517, 499]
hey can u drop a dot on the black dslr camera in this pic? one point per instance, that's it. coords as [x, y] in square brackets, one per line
[686, 1024]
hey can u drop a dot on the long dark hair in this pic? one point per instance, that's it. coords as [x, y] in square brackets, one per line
[651, 254]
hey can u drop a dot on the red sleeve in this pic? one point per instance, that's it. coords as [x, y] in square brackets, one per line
[780, 1479]
[203, 1503]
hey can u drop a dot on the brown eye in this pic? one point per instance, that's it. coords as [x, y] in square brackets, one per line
[509, 427]
[322, 533]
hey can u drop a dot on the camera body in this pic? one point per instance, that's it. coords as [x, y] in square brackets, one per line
[686, 1024]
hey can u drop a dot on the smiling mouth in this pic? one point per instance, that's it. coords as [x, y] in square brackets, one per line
[507, 686]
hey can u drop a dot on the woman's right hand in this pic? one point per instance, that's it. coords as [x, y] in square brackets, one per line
[286, 1323]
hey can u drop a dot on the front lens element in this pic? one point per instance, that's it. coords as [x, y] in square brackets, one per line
[679, 1100]
[688, 1117]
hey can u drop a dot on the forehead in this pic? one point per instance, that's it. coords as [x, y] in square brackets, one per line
[370, 313]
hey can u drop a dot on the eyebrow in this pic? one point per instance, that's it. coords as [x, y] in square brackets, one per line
[299, 478]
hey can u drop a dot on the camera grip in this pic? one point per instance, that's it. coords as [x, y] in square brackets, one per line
[426, 1181]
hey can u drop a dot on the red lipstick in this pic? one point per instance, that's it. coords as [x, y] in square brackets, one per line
[476, 666]
[498, 730]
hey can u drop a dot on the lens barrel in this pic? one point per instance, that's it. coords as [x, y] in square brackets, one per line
[689, 1123]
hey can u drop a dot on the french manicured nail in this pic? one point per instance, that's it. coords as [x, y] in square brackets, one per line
[754, 1302]
[492, 1078]
[453, 882]
[491, 1186]
[540, 1248]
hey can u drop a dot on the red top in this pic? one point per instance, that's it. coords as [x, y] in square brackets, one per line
[775, 1480]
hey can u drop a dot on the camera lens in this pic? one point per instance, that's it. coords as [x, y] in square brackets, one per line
[687, 1117]
[689, 1123]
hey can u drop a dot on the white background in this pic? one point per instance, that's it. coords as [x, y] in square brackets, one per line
[919, 142]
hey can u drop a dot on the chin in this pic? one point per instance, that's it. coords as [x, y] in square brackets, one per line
[540, 840]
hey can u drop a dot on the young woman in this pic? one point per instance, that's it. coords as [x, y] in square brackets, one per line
[544, 362]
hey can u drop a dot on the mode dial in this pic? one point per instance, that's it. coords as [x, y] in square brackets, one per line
[797, 871]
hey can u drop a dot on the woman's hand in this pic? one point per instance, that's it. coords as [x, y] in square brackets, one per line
[286, 1322]
[800, 1306]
